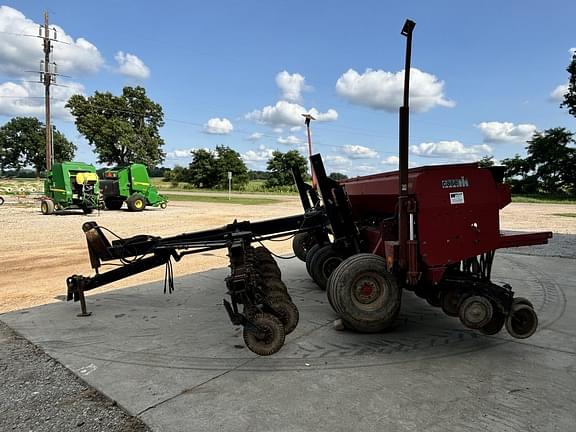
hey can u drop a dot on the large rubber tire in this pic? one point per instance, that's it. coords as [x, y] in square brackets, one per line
[47, 207]
[136, 203]
[1, 200]
[364, 294]
[495, 324]
[272, 338]
[301, 244]
[113, 203]
[323, 264]
[87, 210]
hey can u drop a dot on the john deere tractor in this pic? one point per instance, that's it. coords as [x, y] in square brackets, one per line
[71, 185]
[131, 184]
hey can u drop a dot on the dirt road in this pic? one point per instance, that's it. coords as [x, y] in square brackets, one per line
[39, 252]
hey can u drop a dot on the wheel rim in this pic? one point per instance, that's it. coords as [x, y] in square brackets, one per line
[329, 265]
[138, 204]
[44, 207]
[368, 292]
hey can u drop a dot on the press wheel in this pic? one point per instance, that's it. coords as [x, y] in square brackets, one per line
[264, 335]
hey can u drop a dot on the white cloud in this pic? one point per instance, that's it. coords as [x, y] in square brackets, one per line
[255, 136]
[19, 54]
[359, 152]
[506, 132]
[131, 66]
[383, 90]
[261, 154]
[295, 128]
[450, 150]
[27, 99]
[338, 161]
[558, 93]
[292, 86]
[218, 126]
[391, 160]
[287, 114]
[289, 140]
[180, 153]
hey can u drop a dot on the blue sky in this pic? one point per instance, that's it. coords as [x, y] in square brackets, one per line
[239, 73]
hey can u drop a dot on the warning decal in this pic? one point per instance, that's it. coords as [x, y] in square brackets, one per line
[456, 197]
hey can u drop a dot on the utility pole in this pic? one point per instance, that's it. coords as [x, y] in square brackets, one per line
[47, 77]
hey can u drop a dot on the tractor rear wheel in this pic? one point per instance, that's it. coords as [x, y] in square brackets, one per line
[364, 294]
[323, 263]
[113, 203]
[264, 335]
[136, 202]
[47, 206]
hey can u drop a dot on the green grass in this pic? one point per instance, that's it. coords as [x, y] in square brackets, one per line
[222, 199]
[543, 199]
[565, 214]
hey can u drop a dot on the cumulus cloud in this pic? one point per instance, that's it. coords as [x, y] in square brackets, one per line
[218, 126]
[338, 160]
[18, 53]
[558, 93]
[255, 136]
[359, 152]
[506, 132]
[27, 99]
[180, 153]
[383, 90]
[131, 66]
[291, 85]
[288, 114]
[289, 140]
[450, 150]
[391, 160]
[261, 154]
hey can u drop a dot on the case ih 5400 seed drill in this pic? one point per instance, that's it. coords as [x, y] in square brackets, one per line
[432, 230]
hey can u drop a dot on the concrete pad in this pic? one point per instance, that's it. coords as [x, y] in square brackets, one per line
[177, 362]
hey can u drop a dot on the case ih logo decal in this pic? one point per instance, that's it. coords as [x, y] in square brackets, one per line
[461, 182]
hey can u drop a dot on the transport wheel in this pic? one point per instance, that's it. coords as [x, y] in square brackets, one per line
[364, 294]
[136, 202]
[264, 335]
[301, 244]
[323, 263]
[310, 256]
[163, 205]
[287, 313]
[522, 321]
[475, 312]
[113, 203]
[450, 300]
[495, 324]
[522, 300]
[47, 206]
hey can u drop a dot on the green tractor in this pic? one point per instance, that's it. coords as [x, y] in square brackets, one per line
[71, 185]
[131, 184]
